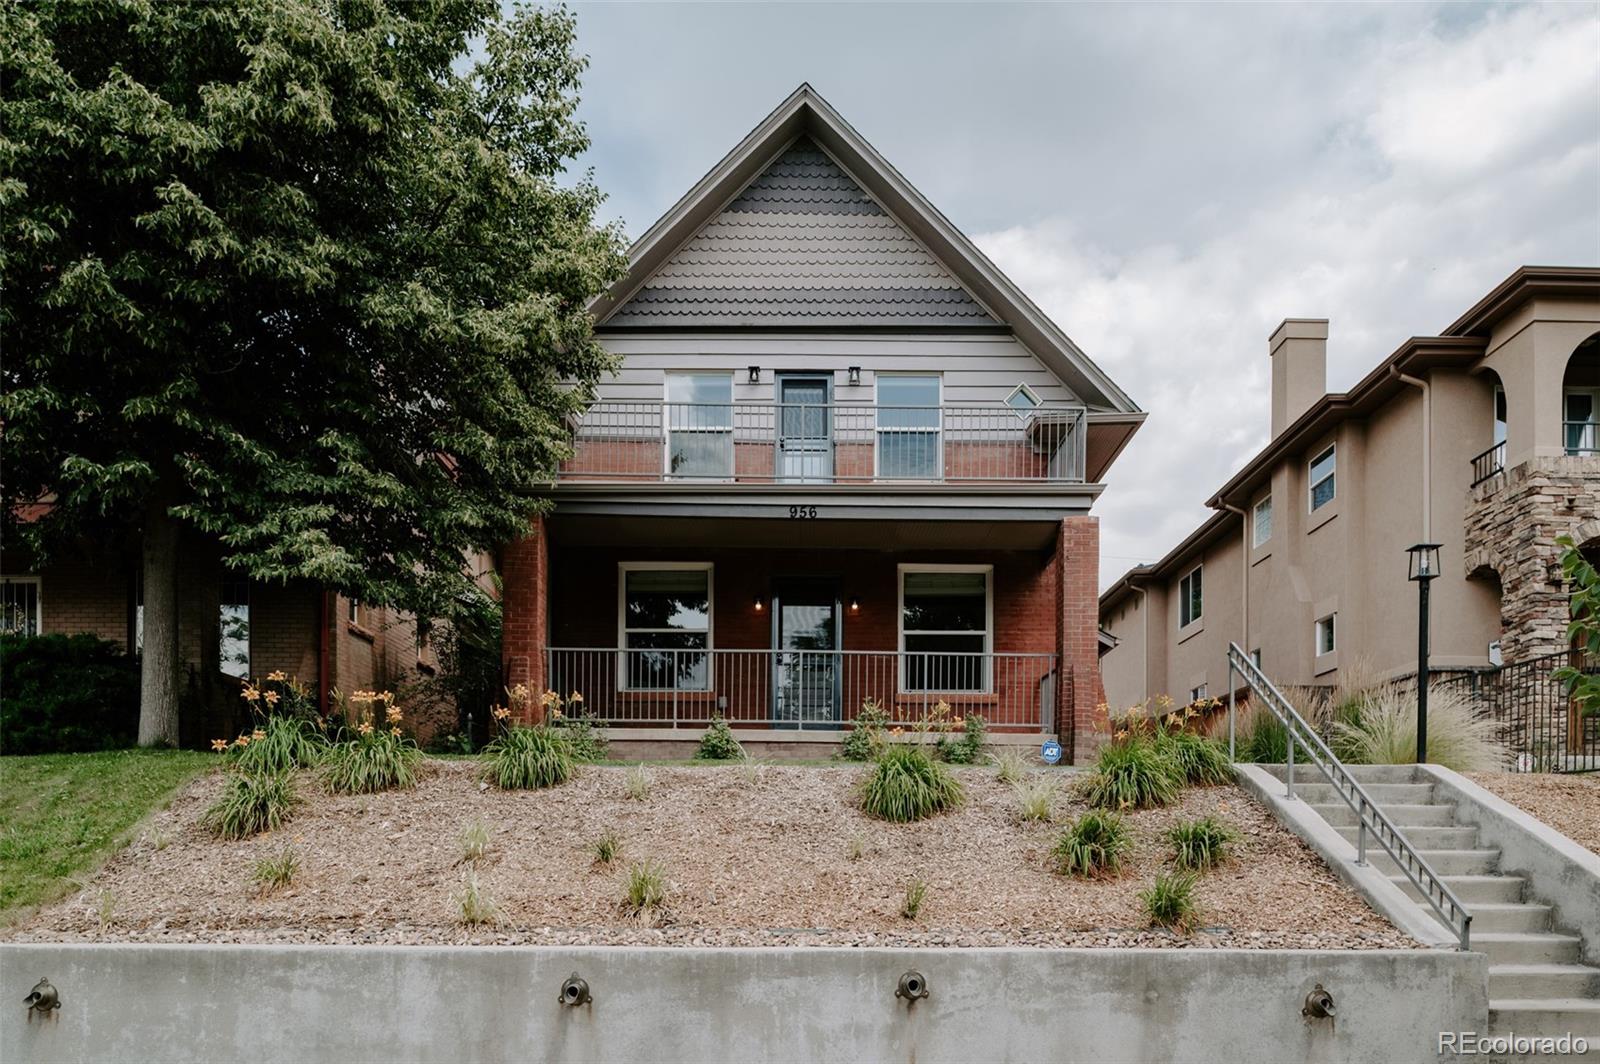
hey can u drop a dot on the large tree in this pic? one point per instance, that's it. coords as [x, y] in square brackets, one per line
[307, 276]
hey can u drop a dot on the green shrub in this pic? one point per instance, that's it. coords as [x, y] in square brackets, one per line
[1133, 773]
[718, 743]
[1385, 732]
[276, 871]
[1092, 845]
[645, 892]
[369, 761]
[252, 802]
[66, 694]
[523, 758]
[916, 894]
[1170, 902]
[280, 744]
[1262, 739]
[585, 739]
[1036, 799]
[1201, 845]
[1202, 761]
[1581, 685]
[864, 740]
[906, 784]
[966, 746]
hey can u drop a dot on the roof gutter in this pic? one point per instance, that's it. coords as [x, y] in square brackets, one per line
[1427, 448]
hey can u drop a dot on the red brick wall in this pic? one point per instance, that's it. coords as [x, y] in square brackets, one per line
[525, 574]
[1080, 698]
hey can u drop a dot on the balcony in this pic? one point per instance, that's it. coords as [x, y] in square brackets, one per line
[803, 689]
[1581, 437]
[1489, 463]
[832, 443]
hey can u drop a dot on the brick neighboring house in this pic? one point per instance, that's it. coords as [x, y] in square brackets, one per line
[844, 458]
[1483, 439]
[227, 628]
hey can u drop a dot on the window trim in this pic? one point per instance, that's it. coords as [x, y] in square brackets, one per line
[667, 430]
[1257, 541]
[937, 429]
[1332, 450]
[1593, 424]
[1332, 620]
[38, 597]
[623, 568]
[1198, 693]
[1183, 598]
[900, 620]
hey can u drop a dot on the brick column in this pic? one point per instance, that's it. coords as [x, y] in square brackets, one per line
[525, 598]
[1079, 692]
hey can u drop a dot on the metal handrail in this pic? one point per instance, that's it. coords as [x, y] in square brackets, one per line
[1488, 463]
[1369, 817]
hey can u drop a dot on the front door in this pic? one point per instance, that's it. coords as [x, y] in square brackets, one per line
[805, 644]
[805, 428]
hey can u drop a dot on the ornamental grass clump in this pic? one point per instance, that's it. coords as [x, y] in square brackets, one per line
[523, 758]
[1201, 761]
[905, 784]
[1133, 773]
[1201, 845]
[370, 757]
[252, 802]
[1170, 902]
[644, 894]
[1036, 799]
[1092, 846]
[276, 871]
[1010, 766]
[916, 895]
[474, 906]
[1384, 732]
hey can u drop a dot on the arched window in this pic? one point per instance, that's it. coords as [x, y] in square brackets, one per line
[1580, 399]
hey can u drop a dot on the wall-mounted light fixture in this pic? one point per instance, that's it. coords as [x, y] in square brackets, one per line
[855, 374]
[755, 374]
[758, 604]
[855, 604]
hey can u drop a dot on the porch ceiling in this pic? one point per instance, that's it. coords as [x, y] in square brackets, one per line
[644, 530]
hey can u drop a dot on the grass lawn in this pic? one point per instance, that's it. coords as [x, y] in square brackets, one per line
[62, 815]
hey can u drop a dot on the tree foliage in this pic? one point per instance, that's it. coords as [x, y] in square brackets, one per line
[312, 273]
[1584, 631]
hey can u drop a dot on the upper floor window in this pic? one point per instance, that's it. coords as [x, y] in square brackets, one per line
[19, 605]
[1022, 398]
[1326, 636]
[1261, 522]
[945, 627]
[1197, 693]
[1582, 421]
[1499, 415]
[1323, 486]
[700, 425]
[666, 625]
[1190, 599]
[908, 426]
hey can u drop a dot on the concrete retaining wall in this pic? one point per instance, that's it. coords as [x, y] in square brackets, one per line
[349, 1004]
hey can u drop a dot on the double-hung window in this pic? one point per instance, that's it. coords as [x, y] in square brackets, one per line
[908, 427]
[19, 605]
[700, 425]
[1191, 600]
[1582, 421]
[1261, 522]
[945, 627]
[1322, 480]
[666, 626]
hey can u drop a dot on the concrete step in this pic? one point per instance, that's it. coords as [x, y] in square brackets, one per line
[1579, 1017]
[1364, 774]
[1443, 862]
[1509, 916]
[1404, 816]
[1385, 794]
[1471, 889]
[1527, 947]
[1543, 980]
[1426, 838]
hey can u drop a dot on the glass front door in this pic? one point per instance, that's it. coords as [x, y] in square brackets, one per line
[805, 618]
[805, 429]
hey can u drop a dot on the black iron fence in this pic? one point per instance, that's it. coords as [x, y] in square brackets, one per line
[1542, 728]
[1489, 463]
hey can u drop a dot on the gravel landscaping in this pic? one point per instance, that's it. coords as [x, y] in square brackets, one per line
[778, 855]
[1568, 803]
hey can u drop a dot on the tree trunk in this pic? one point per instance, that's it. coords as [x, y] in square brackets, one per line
[158, 672]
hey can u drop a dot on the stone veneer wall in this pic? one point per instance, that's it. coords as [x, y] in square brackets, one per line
[1512, 522]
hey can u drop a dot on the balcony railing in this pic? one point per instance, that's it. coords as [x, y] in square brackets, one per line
[1581, 437]
[778, 443]
[1489, 463]
[809, 689]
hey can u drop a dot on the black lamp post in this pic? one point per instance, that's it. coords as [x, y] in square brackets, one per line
[1424, 568]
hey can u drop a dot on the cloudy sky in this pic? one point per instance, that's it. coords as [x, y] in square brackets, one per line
[1167, 182]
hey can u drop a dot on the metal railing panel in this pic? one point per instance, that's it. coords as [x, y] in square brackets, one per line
[1489, 463]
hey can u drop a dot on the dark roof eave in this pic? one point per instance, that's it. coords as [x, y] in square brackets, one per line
[1528, 282]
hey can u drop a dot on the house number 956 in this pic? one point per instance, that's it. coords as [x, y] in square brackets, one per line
[797, 513]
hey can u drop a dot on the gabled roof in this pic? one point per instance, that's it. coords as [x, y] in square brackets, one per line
[808, 126]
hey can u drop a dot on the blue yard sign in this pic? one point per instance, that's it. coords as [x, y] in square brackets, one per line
[1051, 752]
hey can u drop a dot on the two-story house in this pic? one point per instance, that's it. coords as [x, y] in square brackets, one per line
[844, 458]
[1482, 439]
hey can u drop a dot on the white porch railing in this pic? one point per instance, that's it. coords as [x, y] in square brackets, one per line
[812, 689]
[826, 443]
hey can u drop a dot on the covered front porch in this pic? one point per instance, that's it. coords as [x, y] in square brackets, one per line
[787, 627]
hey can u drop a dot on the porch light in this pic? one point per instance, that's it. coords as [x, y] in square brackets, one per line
[855, 374]
[1424, 561]
[1424, 568]
[855, 604]
[755, 374]
[758, 604]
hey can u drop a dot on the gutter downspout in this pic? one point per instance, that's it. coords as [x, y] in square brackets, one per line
[1144, 642]
[1244, 574]
[1427, 449]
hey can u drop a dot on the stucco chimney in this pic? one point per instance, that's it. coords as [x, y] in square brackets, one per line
[1299, 350]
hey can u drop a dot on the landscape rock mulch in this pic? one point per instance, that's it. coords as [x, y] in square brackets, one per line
[775, 855]
[1568, 803]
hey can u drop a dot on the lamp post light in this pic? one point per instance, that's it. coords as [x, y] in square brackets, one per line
[1424, 569]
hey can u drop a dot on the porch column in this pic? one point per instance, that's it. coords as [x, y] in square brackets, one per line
[1079, 693]
[525, 596]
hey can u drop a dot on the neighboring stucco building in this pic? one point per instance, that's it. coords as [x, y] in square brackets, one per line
[844, 458]
[1482, 439]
